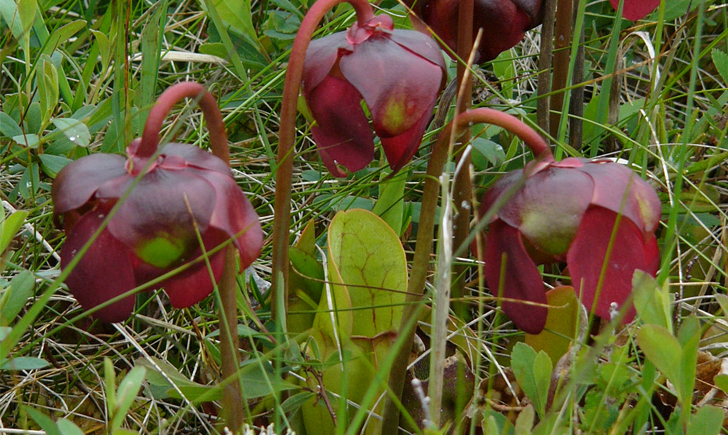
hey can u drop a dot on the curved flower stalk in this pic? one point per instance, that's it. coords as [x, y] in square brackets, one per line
[504, 22]
[397, 73]
[352, 71]
[635, 10]
[596, 215]
[168, 197]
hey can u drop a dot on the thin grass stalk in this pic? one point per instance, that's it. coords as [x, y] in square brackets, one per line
[462, 186]
[286, 140]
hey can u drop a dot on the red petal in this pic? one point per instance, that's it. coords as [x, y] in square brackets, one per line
[618, 188]
[321, 55]
[194, 284]
[400, 149]
[196, 157]
[504, 184]
[421, 45]
[156, 208]
[76, 183]
[342, 132]
[549, 207]
[587, 255]
[104, 272]
[233, 214]
[636, 9]
[398, 86]
[522, 280]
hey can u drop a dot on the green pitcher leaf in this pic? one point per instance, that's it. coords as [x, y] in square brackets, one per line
[561, 321]
[368, 258]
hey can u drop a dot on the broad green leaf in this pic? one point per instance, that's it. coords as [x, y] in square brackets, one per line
[367, 257]
[708, 420]
[723, 302]
[29, 181]
[126, 393]
[104, 48]
[110, 383]
[4, 332]
[24, 363]
[46, 423]
[62, 34]
[8, 126]
[720, 60]
[47, 88]
[561, 322]
[9, 227]
[75, 130]
[651, 300]
[307, 241]
[9, 11]
[721, 381]
[52, 165]
[662, 349]
[689, 339]
[390, 205]
[66, 427]
[533, 373]
[15, 296]
[236, 14]
[524, 422]
[26, 11]
[306, 279]
[291, 405]
[492, 151]
[124, 432]
[29, 140]
[151, 46]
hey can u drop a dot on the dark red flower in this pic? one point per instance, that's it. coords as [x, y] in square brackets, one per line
[569, 210]
[636, 9]
[504, 22]
[153, 230]
[398, 74]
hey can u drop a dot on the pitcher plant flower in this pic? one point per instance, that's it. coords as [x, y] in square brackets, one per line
[397, 73]
[635, 10]
[597, 215]
[504, 22]
[166, 198]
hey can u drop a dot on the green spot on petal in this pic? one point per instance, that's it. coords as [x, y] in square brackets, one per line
[161, 252]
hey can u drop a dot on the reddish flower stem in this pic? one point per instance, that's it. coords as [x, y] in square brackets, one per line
[423, 248]
[286, 139]
[232, 404]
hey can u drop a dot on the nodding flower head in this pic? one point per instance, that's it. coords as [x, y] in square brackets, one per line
[635, 10]
[398, 75]
[504, 22]
[174, 206]
[598, 216]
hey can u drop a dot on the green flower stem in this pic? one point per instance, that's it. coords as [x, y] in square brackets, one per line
[423, 248]
[286, 139]
[232, 404]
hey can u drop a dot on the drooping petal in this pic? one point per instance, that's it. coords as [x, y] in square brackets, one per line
[154, 220]
[321, 55]
[398, 86]
[194, 284]
[549, 207]
[507, 184]
[77, 182]
[103, 273]
[420, 44]
[618, 188]
[534, 10]
[522, 281]
[635, 10]
[342, 131]
[195, 157]
[586, 259]
[233, 214]
[400, 149]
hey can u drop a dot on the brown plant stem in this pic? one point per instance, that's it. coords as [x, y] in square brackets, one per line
[561, 61]
[421, 261]
[462, 185]
[576, 104]
[544, 67]
[286, 139]
[232, 404]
